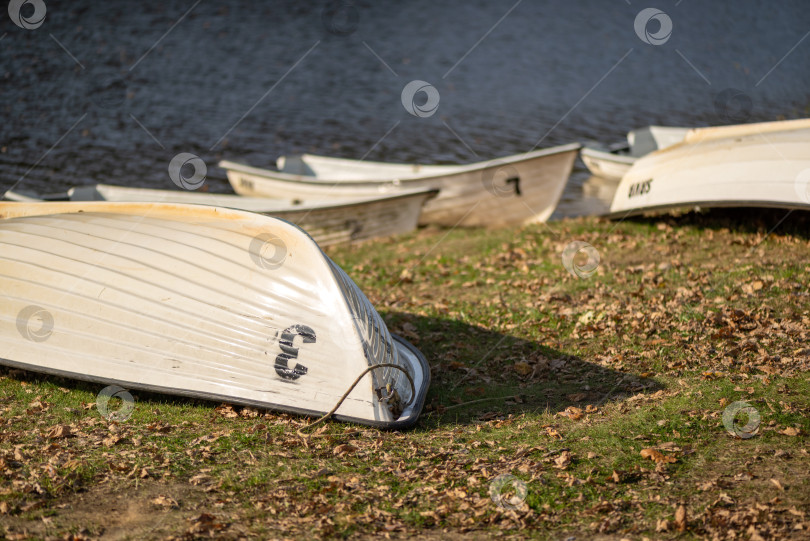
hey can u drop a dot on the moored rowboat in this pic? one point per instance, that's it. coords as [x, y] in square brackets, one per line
[197, 301]
[516, 189]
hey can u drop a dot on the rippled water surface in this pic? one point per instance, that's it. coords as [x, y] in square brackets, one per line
[111, 92]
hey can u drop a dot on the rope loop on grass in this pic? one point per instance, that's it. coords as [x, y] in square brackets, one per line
[351, 388]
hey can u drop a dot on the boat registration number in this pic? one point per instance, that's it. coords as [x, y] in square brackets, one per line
[639, 188]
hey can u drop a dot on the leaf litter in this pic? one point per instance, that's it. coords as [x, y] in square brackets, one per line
[595, 363]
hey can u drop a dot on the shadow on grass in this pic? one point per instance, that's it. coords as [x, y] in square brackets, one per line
[479, 374]
[741, 220]
[476, 375]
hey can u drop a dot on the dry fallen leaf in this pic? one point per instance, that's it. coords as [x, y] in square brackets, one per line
[791, 431]
[111, 440]
[563, 460]
[226, 411]
[708, 485]
[777, 484]
[249, 413]
[523, 368]
[345, 449]
[755, 536]
[199, 479]
[657, 456]
[680, 518]
[165, 501]
[60, 431]
[35, 407]
[572, 413]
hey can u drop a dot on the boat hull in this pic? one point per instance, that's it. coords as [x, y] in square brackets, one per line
[614, 162]
[328, 222]
[357, 221]
[606, 165]
[749, 169]
[196, 301]
[517, 189]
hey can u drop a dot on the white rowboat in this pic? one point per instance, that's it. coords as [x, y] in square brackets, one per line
[614, 162]
[327, 221]
[197, 301]
[516, 189]
[754, 165]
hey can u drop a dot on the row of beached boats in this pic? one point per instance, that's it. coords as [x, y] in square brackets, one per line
[222, 297]
[339, 200]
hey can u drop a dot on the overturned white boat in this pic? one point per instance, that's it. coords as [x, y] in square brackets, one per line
[752, 165]
[515, 189]
[614, 161]
[198, 301]
[327, 221]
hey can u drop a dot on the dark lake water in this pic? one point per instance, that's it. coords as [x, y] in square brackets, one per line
[112, 91]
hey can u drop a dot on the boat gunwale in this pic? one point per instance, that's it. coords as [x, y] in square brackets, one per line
[598, 154]
[314, 205]
[45, 208]
[711, 133]
[322, 204]
[274, 175]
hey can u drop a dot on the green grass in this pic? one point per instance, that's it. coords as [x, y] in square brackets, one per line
[682, 317]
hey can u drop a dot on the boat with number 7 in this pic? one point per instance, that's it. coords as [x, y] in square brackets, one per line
[750, 165]
[521, 188]
[198, 301]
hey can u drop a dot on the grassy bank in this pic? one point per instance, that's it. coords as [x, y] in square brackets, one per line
[600, 391]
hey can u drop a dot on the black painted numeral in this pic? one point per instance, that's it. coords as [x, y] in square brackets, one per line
[355, 227]
[639, 188]
[288, 352]
[516, 182]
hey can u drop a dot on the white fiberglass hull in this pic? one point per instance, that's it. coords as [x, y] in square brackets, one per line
[196, 301]
[749, 168]
[327, 221]
[614, 163]
[517, 189]
[607, 165]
